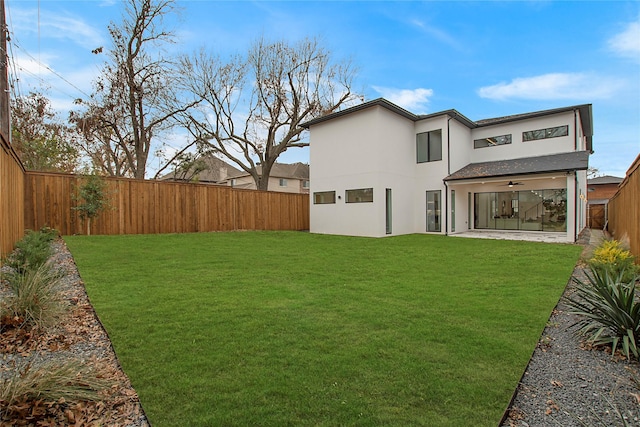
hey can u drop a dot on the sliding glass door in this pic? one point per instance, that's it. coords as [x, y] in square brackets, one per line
[530, 210]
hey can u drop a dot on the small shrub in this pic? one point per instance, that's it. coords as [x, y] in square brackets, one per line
[32, 251]
[69, 379]
[91, 198]
[609, 309]
[35, 300]
[610, 257]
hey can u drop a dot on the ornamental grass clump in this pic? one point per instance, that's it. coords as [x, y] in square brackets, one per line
[52, 380]
[607, 301]
[35, 300]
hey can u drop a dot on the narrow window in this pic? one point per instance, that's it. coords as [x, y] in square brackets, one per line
[492, 141]
[283, 182]
[553, 132]
[305, 183]
[388, 210]
[429, 146]
[433, 210]
[361, 195]
[324, 197]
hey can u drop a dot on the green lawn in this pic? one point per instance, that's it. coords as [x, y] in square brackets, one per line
[288, 328]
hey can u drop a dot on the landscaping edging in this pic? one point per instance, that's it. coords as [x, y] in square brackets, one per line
[568, 384]
[81, 335]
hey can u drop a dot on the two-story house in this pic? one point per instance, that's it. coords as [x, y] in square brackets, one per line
[379, 170]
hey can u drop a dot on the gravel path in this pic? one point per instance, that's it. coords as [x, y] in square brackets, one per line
[567, 384]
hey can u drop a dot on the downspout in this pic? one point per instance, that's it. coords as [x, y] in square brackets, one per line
[577, 206]
[446, 185]
[575, 128]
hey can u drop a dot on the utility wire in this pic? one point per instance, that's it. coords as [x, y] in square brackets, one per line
[52, 71]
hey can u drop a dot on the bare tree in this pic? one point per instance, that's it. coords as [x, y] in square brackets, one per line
[252, 106]
[40, 138]
[134, 99]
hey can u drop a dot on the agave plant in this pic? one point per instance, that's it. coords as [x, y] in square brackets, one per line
[609, 311]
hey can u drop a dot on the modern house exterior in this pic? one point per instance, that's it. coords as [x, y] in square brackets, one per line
[379, 170]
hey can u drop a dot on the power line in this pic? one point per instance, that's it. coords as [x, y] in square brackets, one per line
[51, 70]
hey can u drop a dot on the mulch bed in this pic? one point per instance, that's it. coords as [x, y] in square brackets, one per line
[79, 336]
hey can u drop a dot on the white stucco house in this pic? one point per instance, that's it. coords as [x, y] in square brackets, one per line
[378, 170]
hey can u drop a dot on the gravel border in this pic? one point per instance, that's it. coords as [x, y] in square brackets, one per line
[80, 335]
[568, 384]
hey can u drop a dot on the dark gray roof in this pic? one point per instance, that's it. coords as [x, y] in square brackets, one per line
[282, 170]
[607, 179]
[564, 162]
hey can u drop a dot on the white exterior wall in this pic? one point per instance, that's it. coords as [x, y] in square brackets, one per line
[367, 149]
[519, 148]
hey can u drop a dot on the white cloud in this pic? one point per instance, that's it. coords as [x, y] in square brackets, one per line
[50, 25]
[627, 43]
[414, 100]
[553, 86]
[438, 34]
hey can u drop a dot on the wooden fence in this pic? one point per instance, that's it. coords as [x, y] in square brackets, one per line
[147, 207]
[11, 198]
[624, 210]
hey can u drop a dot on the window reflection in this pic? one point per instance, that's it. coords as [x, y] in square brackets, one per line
[531, 210]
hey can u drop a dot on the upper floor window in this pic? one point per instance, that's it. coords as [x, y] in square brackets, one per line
[554, 132]
[361, 195]
[429, 146]
[232, 182]
[283, 182]
[492, 141]
[305, 183]
[324, 197]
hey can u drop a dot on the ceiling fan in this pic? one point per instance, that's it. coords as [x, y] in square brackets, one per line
[510, 184]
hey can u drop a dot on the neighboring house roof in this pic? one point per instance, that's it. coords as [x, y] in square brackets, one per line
[606, 179]
[586, 116]
[282, 170]
[216, 170]
[564, 162]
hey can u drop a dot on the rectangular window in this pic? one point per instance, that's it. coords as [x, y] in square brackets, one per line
[492, 141]
[361, 195]
[305, 183]
[324, 197]
[283, 182]
[433, 210]
[554, 132]
[429, 146]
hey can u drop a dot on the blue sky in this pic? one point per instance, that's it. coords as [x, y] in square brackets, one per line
[485, 59]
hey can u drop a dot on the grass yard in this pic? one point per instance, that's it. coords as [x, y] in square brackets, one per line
[289, 328]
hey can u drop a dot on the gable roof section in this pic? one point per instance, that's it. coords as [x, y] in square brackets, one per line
[376, 102]
[607, 179]
[215, 170]
[586, 116]
[564, 162]
[281, 170]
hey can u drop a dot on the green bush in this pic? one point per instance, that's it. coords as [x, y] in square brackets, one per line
[35, 300]
[610, 257]
[609, 311]
[32, 251]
